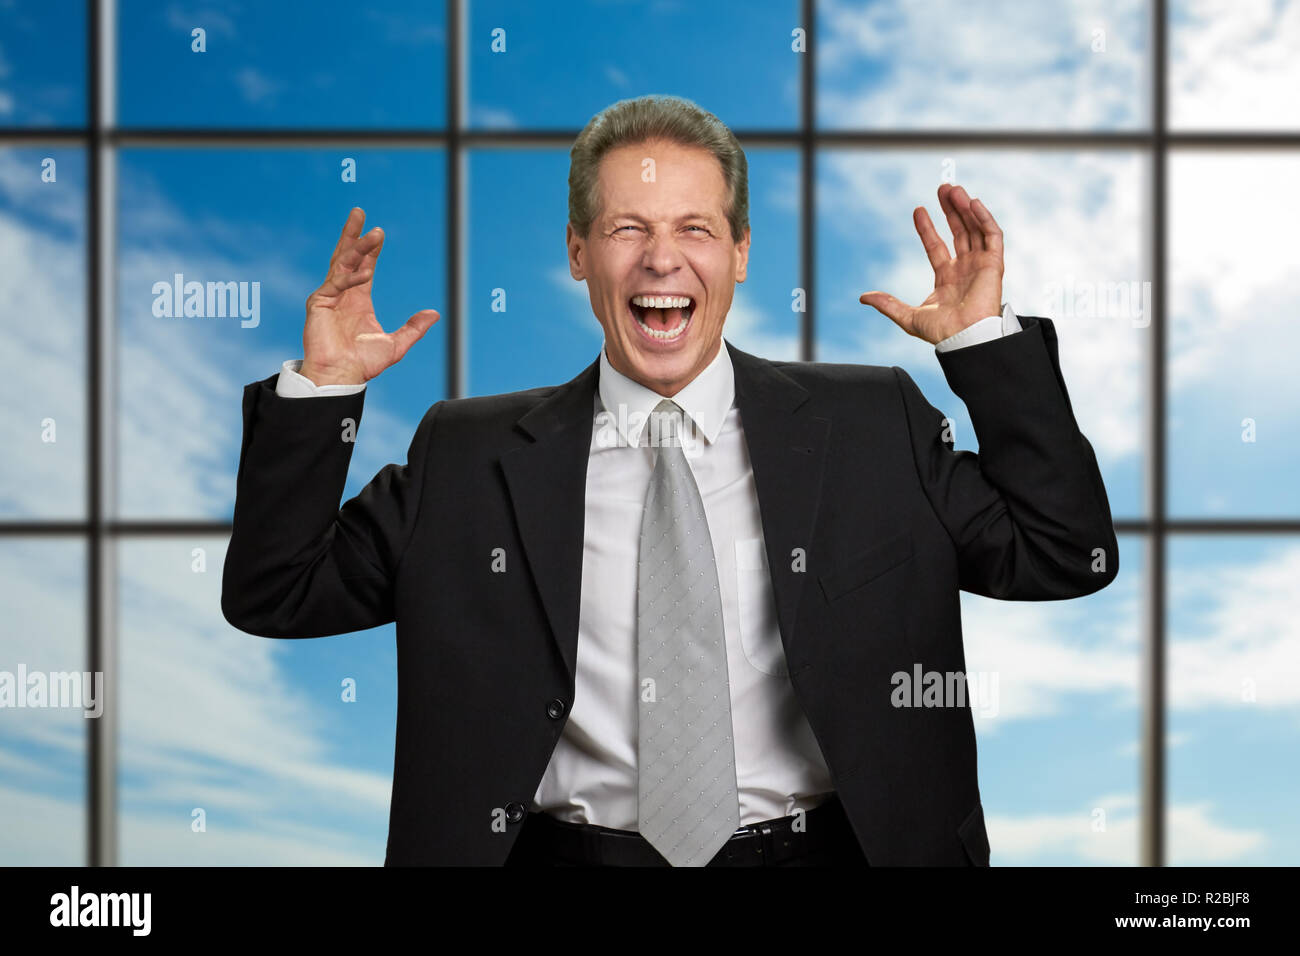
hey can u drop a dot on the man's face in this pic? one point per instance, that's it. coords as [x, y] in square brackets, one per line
[666, 237]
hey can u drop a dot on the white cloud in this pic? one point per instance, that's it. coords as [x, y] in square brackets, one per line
[1244, 640]
[1233, 64]
[404, 29]
[945, 63]
[53, 834]
[50, 203]
[255, 86]
[1070, 220]
[1132, 748]
[492, 117]
[1231, 275]
[43, 341]
[1193, 838]
[1048, 654]
[186, 16]
[208, 711]
[210, 717]
[616, 76]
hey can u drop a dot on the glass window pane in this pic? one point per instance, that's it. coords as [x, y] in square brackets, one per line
[530, 322]
[1073, 227]
[1234, 696]
[43, 742]
[269, 219]
[1233, 64]
[763, 319]
[43, 334]
[302, 63]
[1234, 397]
[43, 63]
[529, 67]
[1003, 64]
[253, 733]
[1058, 729]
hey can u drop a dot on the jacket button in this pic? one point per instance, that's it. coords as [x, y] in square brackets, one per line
[555, 709]
[515, 812]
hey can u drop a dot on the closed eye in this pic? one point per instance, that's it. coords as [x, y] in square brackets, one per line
[621, 228]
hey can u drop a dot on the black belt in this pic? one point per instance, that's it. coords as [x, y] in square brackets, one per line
[825, 831]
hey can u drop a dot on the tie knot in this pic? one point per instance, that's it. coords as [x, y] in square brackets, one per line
[667, 422]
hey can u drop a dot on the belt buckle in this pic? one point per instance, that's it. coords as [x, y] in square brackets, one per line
[765, 835]
[761, 835]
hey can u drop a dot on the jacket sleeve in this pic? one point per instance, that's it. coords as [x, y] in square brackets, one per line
[1028, 515]
[298, 565]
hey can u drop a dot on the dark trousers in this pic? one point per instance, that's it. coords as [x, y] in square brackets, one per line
[823, 838]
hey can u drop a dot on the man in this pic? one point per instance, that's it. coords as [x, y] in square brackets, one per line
[657, 615]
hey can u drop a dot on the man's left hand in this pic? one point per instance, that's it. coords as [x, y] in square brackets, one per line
[966, 288]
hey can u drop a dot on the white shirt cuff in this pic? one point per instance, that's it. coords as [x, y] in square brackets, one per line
[985, 330]
[292, 385]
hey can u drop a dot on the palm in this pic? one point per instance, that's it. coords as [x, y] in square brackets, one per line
[342, 339]
[967, 287]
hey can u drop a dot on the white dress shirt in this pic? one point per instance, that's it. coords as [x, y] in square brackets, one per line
[592, 775]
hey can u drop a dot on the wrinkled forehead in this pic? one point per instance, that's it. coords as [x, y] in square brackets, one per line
[661, 182]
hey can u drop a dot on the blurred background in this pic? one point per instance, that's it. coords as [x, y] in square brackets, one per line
[1141, 157]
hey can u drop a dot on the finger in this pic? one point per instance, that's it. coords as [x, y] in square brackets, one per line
[413, 330]
[346, 280]
[351, 229]
[961, 201]
[370, 253]
[960, 236]
[935, 250]
[351, 253]
[353, 260]
[895, 309]
[992, 231]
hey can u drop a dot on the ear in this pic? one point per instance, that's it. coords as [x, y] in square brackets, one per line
[742, 256]
[574, 244]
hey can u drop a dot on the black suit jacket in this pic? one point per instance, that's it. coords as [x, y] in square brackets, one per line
[852, 471]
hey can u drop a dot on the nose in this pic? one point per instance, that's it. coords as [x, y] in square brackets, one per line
[662, 255]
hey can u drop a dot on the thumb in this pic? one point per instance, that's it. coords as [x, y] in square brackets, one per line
[889, 306]
[413, 330]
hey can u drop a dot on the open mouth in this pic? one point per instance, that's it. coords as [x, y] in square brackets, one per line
[662, 318]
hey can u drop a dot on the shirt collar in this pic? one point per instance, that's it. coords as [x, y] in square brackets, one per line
[705, 400]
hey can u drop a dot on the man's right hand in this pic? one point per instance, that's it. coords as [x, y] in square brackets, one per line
[343, 343]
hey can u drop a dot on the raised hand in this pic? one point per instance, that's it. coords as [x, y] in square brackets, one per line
[343, 342]
[967, 288]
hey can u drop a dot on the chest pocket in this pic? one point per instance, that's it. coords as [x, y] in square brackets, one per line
[865, 566]
[759, 633]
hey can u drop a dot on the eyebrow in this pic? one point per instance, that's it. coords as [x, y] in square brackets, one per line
[709, 217]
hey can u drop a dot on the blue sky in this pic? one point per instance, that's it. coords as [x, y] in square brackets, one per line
[254, 731]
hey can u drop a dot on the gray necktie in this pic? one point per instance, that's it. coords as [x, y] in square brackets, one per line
[687, 805]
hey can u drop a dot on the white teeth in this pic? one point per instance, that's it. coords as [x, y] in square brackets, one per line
[667, 333]
[661, 301]
[664, 302]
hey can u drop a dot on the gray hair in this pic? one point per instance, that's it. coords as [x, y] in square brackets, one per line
[655, 117]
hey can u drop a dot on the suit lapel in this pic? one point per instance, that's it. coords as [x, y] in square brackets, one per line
[787, 449]
[547, 481]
